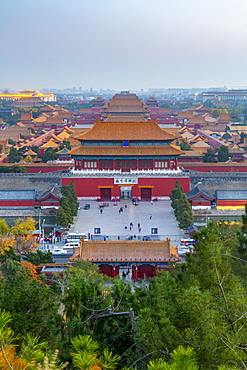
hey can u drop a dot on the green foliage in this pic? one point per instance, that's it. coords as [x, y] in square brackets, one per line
[13, 155]
[50, 155]
[223, 153]
[234, 113]
[12, 169]
[69, 191]
[68, 205]
[243, 135]
[62, 218]
[184, 145]
[202, 305]
[165, 105]
[181, 206]
[11, 142]
[209, 156]
[86, 355]
[4, 228]
[209, 104]
[215, 113]
[9, 255]
[226, 136]
[65, 144]
[181, 358]
[38, 257]
[29, 301]
[65, 205]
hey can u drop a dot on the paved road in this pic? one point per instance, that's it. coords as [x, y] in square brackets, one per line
[112, 223]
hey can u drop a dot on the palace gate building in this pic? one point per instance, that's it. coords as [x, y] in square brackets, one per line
[126, 155]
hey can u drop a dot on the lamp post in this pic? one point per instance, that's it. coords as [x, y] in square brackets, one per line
[43, 233]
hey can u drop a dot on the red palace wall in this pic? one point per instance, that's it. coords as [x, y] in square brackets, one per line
[201, 203]
[35, 168]
[17, 203]
[138, 271]
[231, 203]
[211, 167]
[161, 187]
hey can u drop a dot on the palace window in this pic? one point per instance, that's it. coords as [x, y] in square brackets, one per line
[145, 163]
[160, 164]
[106, 164]
[90, 164]
[125, 163]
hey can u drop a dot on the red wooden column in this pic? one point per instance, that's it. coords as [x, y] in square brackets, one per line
[137, 164]
[176, 164]
[169, 164]
[136, 272]
[155, 270]
[114, 272]
[79, 164]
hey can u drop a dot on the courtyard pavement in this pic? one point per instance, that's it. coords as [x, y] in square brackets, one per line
[113, 223]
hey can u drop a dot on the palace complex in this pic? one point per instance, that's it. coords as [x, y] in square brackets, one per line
[126, 154]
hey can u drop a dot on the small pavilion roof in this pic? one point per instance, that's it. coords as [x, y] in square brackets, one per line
[63, 135]
[201, 144]
[54, 192]
[187, 135]
[49, 144]
[31, 153]
[197, 192]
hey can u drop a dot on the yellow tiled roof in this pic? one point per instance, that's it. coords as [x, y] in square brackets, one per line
[125, 103]
[26, 117]
[122, 118]
[20, 124]
[126, 131]
[126, 151]
[55, 137]
[30, 152]
[195, 120]
[187, 135]
[63, 135]
[201, 144]
[49, 144]
[41, 118]
[192, 153]
[131, 251]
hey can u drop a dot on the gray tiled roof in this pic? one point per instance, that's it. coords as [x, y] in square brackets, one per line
[27, 194]
[55, 191]
[196, 192]
[231, 194]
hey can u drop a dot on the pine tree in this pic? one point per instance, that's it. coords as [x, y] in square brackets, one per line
[62, 218]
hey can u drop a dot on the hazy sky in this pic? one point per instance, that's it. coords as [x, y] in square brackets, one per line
[123, 44]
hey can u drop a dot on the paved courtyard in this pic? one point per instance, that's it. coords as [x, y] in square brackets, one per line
[113, 223]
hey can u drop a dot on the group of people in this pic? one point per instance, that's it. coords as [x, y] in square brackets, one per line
[132, 225]
[121, 209]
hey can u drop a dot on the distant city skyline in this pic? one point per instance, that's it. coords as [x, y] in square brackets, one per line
[124, 45]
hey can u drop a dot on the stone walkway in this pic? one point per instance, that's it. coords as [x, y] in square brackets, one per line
[114, 223]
